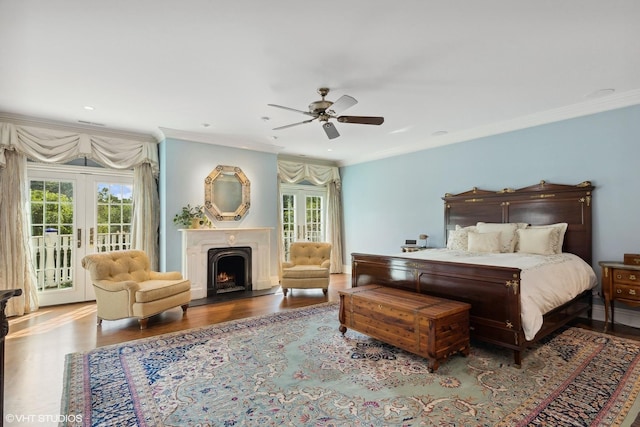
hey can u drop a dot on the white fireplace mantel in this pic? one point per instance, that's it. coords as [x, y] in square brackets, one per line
[197, 242]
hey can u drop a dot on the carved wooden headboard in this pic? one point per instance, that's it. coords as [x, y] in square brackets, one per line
[539, 204]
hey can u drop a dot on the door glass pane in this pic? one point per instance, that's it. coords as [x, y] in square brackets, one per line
[313, 231]
[114, 216]
[288, 222]
[52, 233]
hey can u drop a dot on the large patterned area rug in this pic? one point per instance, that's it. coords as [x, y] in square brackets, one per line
[295, 369]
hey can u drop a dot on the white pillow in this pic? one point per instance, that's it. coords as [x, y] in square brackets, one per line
[561, 227]
[484, 242]
[542, 241]
[458, 238]
[507, 233]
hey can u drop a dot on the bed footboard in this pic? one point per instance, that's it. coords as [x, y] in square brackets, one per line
[493, 292]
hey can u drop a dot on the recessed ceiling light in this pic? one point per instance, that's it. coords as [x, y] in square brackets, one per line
[330, 149]
[265, 118]
[206, 125]
[439, 133]
[401, 130]
[600, 93]
[89, 108]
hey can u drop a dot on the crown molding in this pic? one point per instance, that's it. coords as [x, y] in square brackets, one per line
[22, 120]
[592, 106]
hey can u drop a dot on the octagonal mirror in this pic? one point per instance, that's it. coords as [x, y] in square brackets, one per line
[226, 193]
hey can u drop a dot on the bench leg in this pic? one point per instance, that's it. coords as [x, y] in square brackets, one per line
[184, 308]
[99, 322]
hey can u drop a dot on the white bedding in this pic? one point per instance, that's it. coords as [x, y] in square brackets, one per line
[546, 281]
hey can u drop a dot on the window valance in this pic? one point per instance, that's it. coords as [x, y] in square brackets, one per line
[293, 172]
[61, 146]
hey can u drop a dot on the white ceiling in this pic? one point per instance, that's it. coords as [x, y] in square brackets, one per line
[166, 68]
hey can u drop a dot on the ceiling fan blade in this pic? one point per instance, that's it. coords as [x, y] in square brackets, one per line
[294, 124]
[363, 120]
[292, 109]
[344, 102]
[330, 130]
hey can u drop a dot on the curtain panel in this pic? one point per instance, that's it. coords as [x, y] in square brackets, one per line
[146, 213]
[47, 145]
[294, 172]
[16, 268]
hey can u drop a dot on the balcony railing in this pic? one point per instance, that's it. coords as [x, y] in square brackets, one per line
[53, 256]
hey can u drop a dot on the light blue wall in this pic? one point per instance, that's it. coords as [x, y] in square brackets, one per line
[184, 166]
[390, 200]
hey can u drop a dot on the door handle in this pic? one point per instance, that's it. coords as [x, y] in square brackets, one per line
[79, 237]
[91, 234]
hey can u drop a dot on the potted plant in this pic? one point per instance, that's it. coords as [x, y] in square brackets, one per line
[190, 217]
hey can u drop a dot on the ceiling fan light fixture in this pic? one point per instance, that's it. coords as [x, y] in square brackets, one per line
[324, 110]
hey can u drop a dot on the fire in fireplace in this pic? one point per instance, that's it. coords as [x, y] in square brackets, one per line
[228, 270]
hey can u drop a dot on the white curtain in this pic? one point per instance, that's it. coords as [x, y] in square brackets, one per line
[146, 213]
[19, 141]
[16, 269]
[294, 172]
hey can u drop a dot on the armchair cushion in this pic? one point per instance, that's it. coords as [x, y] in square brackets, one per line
[306, 272]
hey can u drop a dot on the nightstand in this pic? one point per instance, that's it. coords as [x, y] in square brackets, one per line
[620, 282]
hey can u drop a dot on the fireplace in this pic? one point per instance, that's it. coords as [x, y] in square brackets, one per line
[228, 270]
[196, 243]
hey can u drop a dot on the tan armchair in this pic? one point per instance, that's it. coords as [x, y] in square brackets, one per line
[126, 287]
[308, 267]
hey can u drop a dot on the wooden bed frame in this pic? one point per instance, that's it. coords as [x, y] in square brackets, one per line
[493, 292]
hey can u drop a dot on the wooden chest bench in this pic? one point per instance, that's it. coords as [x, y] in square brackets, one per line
[431, 327]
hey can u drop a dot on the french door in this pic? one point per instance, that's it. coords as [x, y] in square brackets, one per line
[75, 211]
[304, 213]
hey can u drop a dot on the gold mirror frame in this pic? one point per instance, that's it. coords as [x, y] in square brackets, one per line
[230, 201]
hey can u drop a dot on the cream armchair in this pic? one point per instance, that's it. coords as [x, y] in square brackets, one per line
[126, 287]
[308, 267]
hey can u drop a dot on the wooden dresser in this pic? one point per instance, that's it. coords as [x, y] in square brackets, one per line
[620, 282]
[431, 327]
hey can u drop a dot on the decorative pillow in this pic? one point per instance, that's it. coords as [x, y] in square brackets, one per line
[542, 241]
[458, 238]
[561, 227]
[484, 242]
[507, 233]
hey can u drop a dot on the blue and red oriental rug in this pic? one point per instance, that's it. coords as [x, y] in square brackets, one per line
[294, 368]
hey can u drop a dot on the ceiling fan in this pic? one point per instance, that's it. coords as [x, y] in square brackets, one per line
[324, 110]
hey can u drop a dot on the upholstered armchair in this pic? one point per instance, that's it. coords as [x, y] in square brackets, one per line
[126, 287]
[308, 267]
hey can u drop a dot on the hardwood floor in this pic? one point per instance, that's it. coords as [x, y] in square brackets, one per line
[38, 342]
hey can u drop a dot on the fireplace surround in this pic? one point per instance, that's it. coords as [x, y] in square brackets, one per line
[195, 255]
